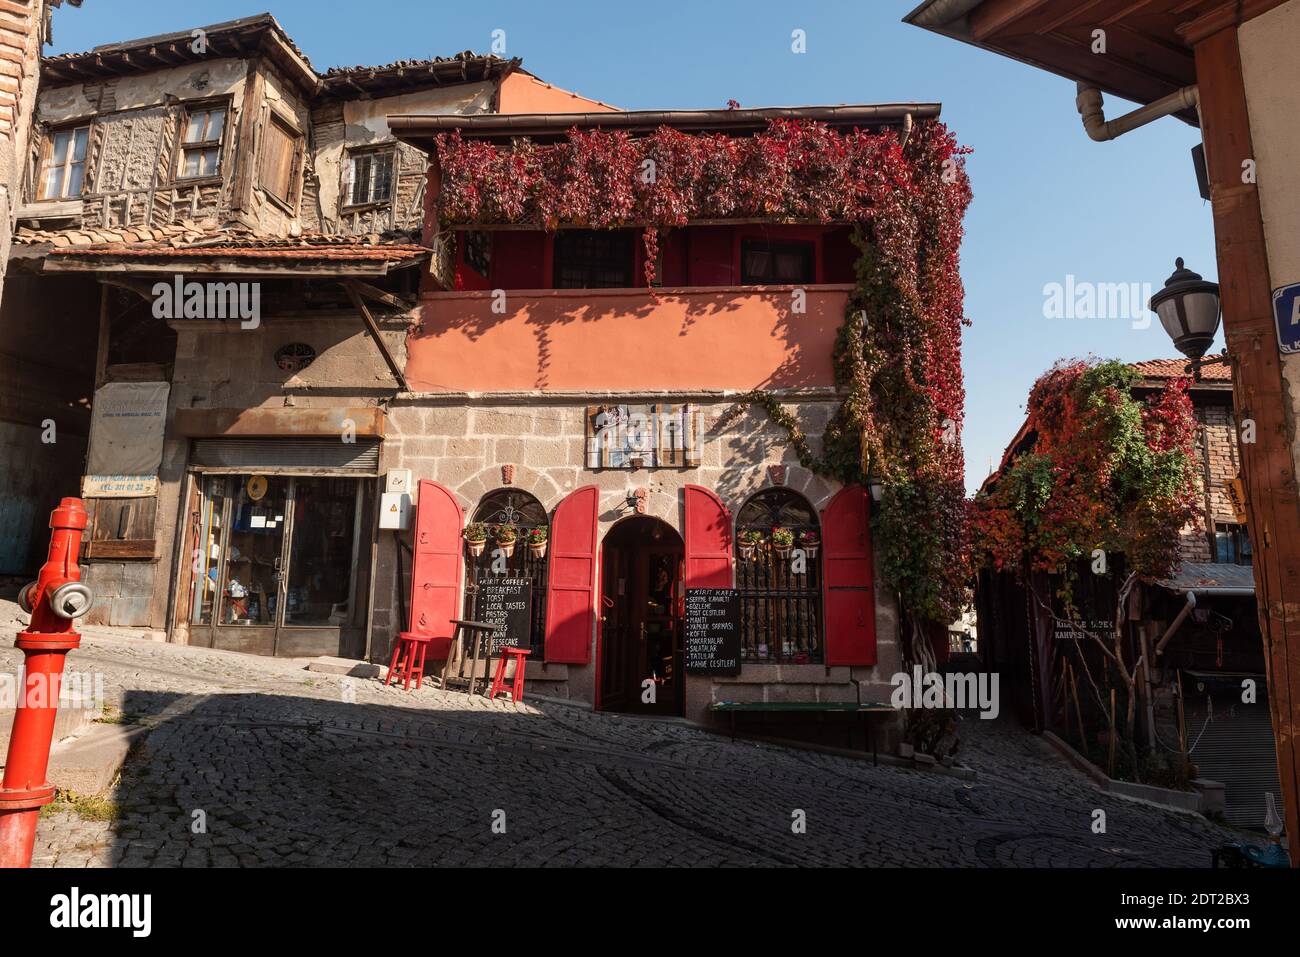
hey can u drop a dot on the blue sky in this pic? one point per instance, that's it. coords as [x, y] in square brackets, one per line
[1049, 202]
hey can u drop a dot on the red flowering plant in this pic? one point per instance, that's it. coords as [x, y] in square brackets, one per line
[897, 358]
[1106, 470]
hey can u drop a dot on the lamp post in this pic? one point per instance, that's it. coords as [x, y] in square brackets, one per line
[1188, 308]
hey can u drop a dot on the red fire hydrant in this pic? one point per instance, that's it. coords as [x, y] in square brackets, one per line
[54, 600]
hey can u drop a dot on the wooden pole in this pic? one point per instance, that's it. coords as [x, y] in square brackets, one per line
[1078, 714]
[1260, 394]
[1182, 718]
[1110, 760]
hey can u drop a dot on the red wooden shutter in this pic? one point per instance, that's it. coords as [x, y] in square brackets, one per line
[708, 539]
[571, 593]
[847, 579]
[436, 572]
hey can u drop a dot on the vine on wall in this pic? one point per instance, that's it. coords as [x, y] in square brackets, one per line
[898, 352]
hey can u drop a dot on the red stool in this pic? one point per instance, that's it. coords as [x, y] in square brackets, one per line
[408, 659]
[499, 682]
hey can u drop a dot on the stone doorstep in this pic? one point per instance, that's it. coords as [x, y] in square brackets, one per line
[89, 764]
[349, 667]
[67, 722]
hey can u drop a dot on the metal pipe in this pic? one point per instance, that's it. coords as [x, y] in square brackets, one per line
[1177, 622]
[1088, 101]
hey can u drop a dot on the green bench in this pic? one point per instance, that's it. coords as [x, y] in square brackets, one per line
[761, 708]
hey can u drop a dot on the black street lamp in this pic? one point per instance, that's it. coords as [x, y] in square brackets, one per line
[1188, 307]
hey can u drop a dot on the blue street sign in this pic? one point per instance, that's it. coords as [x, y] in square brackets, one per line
[1286, 312]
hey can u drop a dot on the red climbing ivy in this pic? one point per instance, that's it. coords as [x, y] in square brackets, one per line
[1106, 470]
[898, 354]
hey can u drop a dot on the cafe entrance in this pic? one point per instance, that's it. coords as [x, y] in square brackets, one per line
[641, 619]
[277, 564]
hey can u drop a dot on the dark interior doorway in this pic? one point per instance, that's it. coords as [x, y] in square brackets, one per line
[641, 625]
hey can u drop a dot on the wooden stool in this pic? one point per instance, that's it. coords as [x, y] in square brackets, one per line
[498, 683]
[408, 659]
[478, 635]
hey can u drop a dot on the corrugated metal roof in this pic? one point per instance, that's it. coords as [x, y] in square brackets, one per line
[1211, 578]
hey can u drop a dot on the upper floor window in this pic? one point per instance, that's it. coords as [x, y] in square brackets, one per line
[594, 259]
[776, 263]
[63, 168]
[372, 177]
[201, 142]
[279, 160]
[1231, 544]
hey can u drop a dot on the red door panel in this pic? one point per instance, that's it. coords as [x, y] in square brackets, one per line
[847, 579]
[571, 589]
[708, 539]
[436, 571]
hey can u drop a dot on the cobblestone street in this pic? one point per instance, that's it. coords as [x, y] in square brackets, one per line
[285, 770]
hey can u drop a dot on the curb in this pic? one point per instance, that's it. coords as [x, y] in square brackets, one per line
[1185, 802]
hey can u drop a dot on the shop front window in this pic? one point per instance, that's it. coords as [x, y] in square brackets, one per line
[779, 578]
[512, 507]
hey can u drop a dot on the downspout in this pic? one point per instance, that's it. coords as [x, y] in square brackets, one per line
[1089, 103]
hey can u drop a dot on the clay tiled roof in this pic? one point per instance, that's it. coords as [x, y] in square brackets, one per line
[314, 248]
[186, 231]
[1174, 368]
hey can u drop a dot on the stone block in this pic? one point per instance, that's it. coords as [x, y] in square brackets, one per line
[462, 447]
[329, 665]
[501, 422]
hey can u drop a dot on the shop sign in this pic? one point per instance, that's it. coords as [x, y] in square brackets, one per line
[126, 440]
[1237, 496]
[713, 631]
[659, 435]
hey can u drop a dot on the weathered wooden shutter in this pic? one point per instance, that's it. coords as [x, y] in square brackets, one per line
[436, 572]
[571, 588]
[708, 539]
[847, 579]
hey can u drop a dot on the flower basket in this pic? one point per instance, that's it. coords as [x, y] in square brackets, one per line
[537, 543]
[475, 538]
[747, 552]
[782, 541]
[506, 536]
[810, 542]
[749, 541]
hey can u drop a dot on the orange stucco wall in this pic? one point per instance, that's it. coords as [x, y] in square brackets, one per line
[622, 340]
[521, 93]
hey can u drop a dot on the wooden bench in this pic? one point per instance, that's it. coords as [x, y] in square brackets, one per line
[762, 708]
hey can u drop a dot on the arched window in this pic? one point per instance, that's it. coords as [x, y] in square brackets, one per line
[509, 506]
[779, 577]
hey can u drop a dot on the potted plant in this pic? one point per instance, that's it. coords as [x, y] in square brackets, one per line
[782, 541]
[810, 542]
[506, 535]
[537, 542]
[750, 539]
[475, 538]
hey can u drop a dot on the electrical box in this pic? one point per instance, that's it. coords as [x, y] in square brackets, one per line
[395, 510]
[398, 480]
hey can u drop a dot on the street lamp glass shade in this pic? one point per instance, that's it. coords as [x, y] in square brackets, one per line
[1188, 307]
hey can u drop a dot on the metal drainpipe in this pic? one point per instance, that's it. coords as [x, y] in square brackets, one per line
[1089, 103]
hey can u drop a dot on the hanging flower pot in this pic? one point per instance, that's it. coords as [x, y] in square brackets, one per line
[475, 538]
[810, 542]
[506, 536]
[537, 542]
[750, 541]
[746, 551]
[782, 541]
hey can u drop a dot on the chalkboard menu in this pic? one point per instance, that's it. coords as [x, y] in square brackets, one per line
[713, 630]
[506, 603]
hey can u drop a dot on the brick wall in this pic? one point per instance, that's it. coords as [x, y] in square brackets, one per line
[1217, 462]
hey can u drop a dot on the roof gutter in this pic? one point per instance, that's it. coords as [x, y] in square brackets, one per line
[424, 126]
[1089, 103]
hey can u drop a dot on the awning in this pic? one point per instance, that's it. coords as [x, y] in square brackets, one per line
[1211, 579]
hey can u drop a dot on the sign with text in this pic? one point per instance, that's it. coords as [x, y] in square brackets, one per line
[506, 603]
[713, 630]
[659, 435]
[126, 440]
[1286, 312]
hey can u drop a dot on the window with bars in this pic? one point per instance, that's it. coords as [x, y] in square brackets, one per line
[201, 142]
[518, 508]
[780, 588]
[594, 259]
[372, 177]
[279, 160]
[63, 168]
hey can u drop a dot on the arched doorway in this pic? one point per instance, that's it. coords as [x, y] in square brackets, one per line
[511, 506]
[641, 619]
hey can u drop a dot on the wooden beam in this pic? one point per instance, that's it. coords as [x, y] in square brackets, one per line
[105, 329]
[355, 295]
[245, 137]
[1260, 393]
[379, 295]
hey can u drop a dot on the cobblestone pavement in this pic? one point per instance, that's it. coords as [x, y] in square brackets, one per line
[282, 768]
